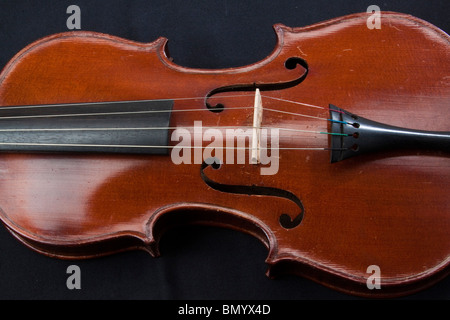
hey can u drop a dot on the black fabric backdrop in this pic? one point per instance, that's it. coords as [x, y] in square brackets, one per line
[196, 262]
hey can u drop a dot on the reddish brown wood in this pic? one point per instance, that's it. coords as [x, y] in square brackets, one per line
[389, 209]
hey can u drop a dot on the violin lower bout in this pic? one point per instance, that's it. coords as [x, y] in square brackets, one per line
[75, 207]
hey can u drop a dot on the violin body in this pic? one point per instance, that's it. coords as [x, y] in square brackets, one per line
[389, 209]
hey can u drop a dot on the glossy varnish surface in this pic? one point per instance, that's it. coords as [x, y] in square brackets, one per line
[389, 209]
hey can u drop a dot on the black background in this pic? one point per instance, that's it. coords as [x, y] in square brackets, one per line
[196, 262]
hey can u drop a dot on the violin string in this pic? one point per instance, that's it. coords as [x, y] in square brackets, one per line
[106, 103]
[294, 113]
[102, 113]
[154, 128]
[158, 146]
[166, 128]
[81, 145]
[145, 112]
[294, 102]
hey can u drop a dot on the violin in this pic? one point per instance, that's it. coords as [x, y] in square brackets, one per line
[333, 151]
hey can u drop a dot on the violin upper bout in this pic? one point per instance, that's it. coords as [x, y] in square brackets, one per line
[82, 66]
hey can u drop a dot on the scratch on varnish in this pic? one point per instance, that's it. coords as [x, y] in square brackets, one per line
[301, 51]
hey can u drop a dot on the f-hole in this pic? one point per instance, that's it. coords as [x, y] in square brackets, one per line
[285, 220]
[290, 64]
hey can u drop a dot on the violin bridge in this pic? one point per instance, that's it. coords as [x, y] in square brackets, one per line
[256, 132]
